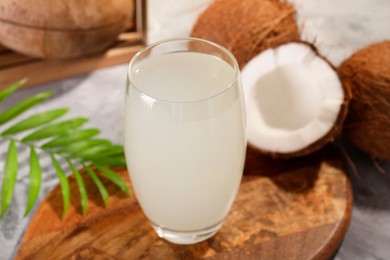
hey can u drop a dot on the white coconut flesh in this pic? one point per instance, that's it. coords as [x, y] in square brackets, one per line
[293, 98]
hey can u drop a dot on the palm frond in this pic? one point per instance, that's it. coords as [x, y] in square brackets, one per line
[80, 146]
[117, 180]
[35, 180]
[102, 190]
[23, 106]
[4, 94]
[118, 160]
[64, 183]
[35, 121]
[55, 129]
[81, 185]
[72, 137]
[10, 173]
[61, 139]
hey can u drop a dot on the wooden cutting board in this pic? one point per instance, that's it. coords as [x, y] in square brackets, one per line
[295, 209]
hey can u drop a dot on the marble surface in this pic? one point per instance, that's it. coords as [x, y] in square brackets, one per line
[339, 27]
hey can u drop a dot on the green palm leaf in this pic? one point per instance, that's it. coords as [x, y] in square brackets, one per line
[55, 129]
[82, 145]
[99, 151]
[118, 161]
[98, 183]
[67, 141]
[21, 107]
[35, 120]
[81, 185]
[10, 173]
[72, 137]
[64, 183]
[117, 180]
[35, 180]
[5, 93]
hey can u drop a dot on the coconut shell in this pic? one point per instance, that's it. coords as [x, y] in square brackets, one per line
[331, 134]
[247, 27]
[62, 29]
[367, 72]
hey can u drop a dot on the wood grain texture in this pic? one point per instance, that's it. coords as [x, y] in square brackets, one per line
[296, 209]
[15, 66]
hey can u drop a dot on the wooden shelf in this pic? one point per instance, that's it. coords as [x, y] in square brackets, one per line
[14, 66]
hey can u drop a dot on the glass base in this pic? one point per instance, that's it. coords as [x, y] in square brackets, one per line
[186, 237]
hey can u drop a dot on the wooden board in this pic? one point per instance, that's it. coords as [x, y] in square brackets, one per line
[296, 209]
[14, 66]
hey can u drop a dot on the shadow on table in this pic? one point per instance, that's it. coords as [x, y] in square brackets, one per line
[371, 187]
[296, 175]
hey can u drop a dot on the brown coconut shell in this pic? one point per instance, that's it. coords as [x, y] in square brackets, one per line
[367, 73]
[62, 29]
[331, 134]
[247, 27]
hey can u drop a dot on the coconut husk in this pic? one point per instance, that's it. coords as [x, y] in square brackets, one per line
[247, 27]
[367, 72]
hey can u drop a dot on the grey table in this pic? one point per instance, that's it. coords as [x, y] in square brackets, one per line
[340, 28]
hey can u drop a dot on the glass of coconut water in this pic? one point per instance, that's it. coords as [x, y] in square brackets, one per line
[185, 136]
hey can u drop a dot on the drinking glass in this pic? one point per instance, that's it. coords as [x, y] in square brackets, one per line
[185, 137]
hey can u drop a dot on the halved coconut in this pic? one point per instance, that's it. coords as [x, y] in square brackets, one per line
[295, 101]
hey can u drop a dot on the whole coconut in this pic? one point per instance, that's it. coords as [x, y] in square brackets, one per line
[62, 29]
[367, 73]
[247, 27]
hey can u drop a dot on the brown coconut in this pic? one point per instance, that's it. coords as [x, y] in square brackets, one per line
[62, 29]
[247, 27]
[367, 72]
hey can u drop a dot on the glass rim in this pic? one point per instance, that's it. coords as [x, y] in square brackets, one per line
[178, 39]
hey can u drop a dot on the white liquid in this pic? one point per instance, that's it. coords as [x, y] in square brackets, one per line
[185, 159]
